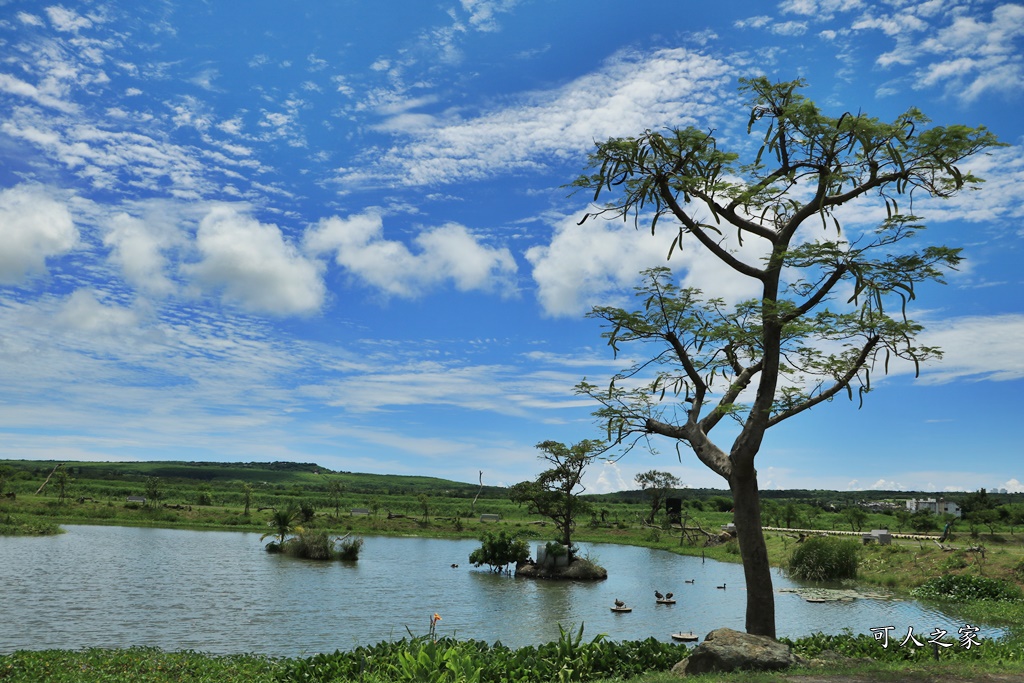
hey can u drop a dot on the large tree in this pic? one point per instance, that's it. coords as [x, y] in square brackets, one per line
[773, 218]
[555, 493]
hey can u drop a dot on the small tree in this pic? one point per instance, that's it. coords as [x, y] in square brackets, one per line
[282, 522]
[424, 501]
[247, 497]
[335, 487]
[154, 490]
[60, 482]
[856, 516]
[657, 485]
[555, 493]
[500, 550]
[772, 218]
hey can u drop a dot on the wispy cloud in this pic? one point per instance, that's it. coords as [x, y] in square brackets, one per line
[633, 91]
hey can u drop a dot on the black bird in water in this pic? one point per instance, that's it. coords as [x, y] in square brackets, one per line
[722, 586]
[619, 603]
[658, 595]
[689, 581]
[668, 596]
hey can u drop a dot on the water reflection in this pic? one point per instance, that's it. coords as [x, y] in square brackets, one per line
[219, 592]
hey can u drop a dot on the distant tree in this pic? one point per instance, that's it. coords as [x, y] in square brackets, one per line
[336, 487]
[500, 550]
[902, 518]
[979, 500]
[374, 505]
[307, 511]
[154, 490]
[856, 516]
[922, 520]
[988, 517]
[247, 497]
[790, 514]
[5, 475]
[793, 347]
[555, 493]
[657, 485]
[770, 511]
[424, 501]
[1015, 516]
[60, 482]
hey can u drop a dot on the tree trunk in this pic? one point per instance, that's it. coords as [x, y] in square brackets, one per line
[754, 552]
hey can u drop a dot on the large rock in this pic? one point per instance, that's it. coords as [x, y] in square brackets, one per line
[727, 650]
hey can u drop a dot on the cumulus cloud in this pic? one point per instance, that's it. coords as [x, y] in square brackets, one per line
[253, 266]
[446, 253]
[35, 226]
[584, 265]
[137, 246]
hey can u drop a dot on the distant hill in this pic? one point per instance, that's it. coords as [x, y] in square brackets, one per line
[309, 475]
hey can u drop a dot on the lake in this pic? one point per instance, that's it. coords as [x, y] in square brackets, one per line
[219, 592]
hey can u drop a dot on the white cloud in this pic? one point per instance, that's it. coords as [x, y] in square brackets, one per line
[30, 19]
[965, 55]
[449, 252]
[33, 227]
[586, 264]
[1013, 486]
[83, 314]
[67, 20]
[631, 92]
[975, 347]
[253, 266]
[137, 247]
[483, 13]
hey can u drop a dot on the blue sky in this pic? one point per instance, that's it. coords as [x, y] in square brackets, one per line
[339, 233]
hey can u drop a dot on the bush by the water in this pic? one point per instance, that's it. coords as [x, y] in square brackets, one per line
[318, 545]
[500, 550]
[963, 588]
[824, 558]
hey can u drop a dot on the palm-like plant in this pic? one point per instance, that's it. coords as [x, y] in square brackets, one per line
[282, 521]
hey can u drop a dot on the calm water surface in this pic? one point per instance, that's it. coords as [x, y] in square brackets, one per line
[220, 592]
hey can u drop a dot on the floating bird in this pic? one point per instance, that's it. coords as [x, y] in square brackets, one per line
[722, 586]
[668, 596]
[619, 603]
[455, 566]
[689, 581]
[658, 595]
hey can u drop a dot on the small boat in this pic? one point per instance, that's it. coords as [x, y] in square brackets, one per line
[685, 637]
[666, 601]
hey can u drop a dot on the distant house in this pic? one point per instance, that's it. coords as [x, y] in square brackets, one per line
[141, 500]
[936, 507]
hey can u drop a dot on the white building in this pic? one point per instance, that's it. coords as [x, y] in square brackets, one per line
[936, 507]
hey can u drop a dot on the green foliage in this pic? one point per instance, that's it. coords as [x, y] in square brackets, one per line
[865, 646]
[133, 665]
[500, 550]
[964, 588]
[446, 660]
[12, 526]
[824, 558]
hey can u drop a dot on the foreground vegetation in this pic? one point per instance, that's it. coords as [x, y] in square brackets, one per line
[423, 659]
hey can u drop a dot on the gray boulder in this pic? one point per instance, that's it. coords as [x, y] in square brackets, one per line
[727, 650]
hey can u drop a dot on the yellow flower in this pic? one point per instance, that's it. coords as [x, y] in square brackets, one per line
[437, 617]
